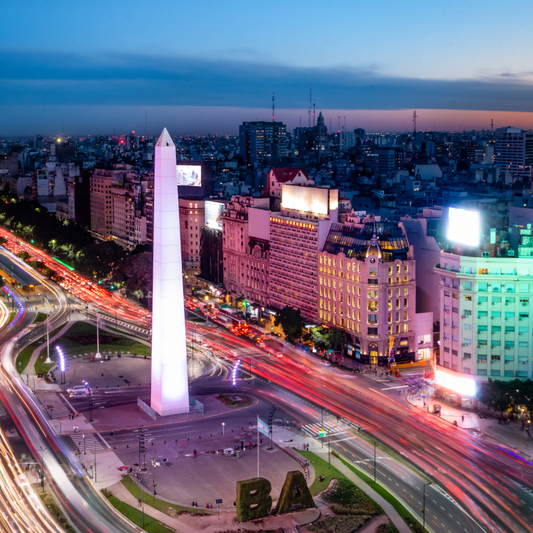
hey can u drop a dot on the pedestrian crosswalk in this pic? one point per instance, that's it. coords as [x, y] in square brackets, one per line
[91, 442]
[314, 430]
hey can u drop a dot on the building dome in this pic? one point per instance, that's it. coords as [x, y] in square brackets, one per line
[373, 247]
[320, 119]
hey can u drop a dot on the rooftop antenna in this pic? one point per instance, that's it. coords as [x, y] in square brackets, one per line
[314, 119]
[492, 125]
[273, 118]
[339, 130]
[310, 105]
[414, 124]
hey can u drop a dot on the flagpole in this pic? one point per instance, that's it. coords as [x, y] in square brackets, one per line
[257, 445]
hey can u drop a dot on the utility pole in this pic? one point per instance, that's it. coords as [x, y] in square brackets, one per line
[375, 470]
[273, 117]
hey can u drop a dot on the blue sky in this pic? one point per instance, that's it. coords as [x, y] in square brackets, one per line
[81, 65]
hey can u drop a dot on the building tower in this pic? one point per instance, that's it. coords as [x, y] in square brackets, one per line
[170, 385]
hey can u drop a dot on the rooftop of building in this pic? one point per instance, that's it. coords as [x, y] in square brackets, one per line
[354, 240]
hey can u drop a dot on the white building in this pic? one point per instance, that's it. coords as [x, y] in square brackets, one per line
[514, 151]
[486, 324]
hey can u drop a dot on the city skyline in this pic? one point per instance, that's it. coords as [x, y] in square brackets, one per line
[221, 62]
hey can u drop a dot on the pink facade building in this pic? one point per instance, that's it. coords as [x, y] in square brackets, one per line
[366, 284]
[297, 234]
[246, 248]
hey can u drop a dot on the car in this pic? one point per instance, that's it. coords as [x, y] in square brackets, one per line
[79, 393]
[77, 388]
[326, 363]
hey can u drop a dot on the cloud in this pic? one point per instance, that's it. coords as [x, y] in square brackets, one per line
[68, 79]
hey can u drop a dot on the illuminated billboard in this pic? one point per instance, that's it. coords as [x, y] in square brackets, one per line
[189, 175]
[463, 386]
[464, 227]
[306, 199]
[213, 215]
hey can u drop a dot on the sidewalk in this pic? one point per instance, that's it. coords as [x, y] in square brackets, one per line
[510, 435]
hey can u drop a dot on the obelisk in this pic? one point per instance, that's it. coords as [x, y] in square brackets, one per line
[170, 384]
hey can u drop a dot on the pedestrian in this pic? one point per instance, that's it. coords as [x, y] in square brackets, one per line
[463, 418]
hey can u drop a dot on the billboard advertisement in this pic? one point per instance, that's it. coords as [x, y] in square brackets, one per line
[213, 215]
[464, 227]
[189, 175]
[306, 199]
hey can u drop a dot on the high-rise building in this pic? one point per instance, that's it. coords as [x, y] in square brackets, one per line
[262, 143]
[192, 221]
[101, 204]
[297, 234]
[367, 288]
[485, 309]
[514, 151]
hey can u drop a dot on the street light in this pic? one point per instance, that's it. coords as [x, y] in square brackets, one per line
[223, 424]
[60, 422]
[84, 446]
[424, 505]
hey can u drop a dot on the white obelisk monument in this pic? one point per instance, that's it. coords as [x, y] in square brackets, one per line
[170, 384]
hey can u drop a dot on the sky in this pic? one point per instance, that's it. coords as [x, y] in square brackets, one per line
[205, 66]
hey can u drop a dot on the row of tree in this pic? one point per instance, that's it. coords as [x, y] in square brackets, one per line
[290, 320]
[505, 395]
[74, 245]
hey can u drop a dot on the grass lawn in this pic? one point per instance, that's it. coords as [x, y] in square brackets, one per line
[136, 516]
[170, 509]
[408, 518]
[11, 316]
[41, 317]
[87, 333]
[321, 469]
[24, 356]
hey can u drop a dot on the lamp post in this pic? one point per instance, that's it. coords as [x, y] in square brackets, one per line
[84, 446]
[223, 424]
[142, 500]
[60, 422]
[375, 469]
[424, 506]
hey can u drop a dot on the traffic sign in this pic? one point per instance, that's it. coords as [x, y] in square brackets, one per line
[322, 433]
[219, 501]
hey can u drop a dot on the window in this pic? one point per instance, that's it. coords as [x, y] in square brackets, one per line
[468, 298]
[467, 313]
[405, 318]
[496, 314]
[482, 287]
[496, 287]
[372, 331]
[509, 345]
[523, 316]
[494, 372]
[468, 326]
[405, 303]
[372, 271]
[509, 315]
[523, 344]
[496, 300]
[482, 300]
[482, 314]
[372, 306]
[495, 344]
[405, 269]
[397, 269]
[406, 291]
[481, 358]
[446, 293]
[524, 287]
[468, 285]
[481, 372]
[467, 355]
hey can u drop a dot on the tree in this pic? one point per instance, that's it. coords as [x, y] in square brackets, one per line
[495, 394]
[290, 320]
[319, 337]
[336, 338]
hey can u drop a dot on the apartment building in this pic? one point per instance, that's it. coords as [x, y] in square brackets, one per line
[246, 248]
[101, 204]
[485, 316]
[192, 221]
[367, 288]
[297, 234]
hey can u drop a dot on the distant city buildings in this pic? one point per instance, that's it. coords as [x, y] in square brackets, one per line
[262, 143]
